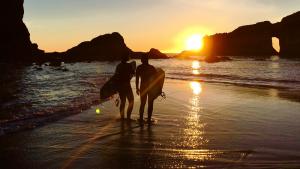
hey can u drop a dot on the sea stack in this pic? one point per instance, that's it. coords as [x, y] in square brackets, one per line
[288, 32]
[15, 44]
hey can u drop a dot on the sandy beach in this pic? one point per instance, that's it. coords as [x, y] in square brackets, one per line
[230, 71]
[198, 125]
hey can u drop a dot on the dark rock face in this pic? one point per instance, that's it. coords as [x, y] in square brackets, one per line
[156, 54]
[288, 32]
[15, 44]
[102, 48]
[254, 40]
[108, 47]
[250, 40]
[152, 54]
[195, 55]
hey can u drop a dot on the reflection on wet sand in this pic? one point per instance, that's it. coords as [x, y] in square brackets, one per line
[195, 127]
[273, 92]
[199, 125]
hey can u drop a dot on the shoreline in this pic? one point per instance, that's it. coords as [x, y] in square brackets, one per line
[30, 123]
[199, 124]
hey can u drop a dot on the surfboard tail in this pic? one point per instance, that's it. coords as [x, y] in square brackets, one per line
[158, 81]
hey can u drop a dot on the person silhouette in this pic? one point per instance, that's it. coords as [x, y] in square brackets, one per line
[124, 72]
[146, 72]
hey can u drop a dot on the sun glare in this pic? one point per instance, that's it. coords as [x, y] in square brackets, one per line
[196, 65]
[196, 87]
[194, 42]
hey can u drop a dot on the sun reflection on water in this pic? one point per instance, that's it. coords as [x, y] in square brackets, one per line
[196, 72]
[196, 64]
[195, 127]
[196, 87]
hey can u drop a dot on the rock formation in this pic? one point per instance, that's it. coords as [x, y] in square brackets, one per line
[108, 47]
[152, 54]
[15, 44]
[156, 54]
[288, 33]
[254, 40]
[195, 55]
[102, 48]
[249, 40]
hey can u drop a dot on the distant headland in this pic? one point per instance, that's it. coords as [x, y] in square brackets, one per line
[108, 47]
[16, 46]
[254, 40]
[249, 40]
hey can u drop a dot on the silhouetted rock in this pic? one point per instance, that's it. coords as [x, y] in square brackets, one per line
[254, 40]
[102, 48]
[152, 54]
[15, 44]
[249, 40]
[214, 59]
[156, 54]
[288, 32]
[108, 47]
[195, 55]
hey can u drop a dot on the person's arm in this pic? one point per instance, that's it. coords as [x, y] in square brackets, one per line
[137, 81]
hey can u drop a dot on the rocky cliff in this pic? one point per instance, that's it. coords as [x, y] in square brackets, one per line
[15, 44]
[254, 40]
[152, 54]
[105, 47]
[249, 40]
[108, 47]
[288, 32]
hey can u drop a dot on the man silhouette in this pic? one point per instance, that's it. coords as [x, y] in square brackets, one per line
[124, 73]
[146, 72]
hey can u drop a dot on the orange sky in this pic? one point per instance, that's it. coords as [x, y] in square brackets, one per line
[57, 25]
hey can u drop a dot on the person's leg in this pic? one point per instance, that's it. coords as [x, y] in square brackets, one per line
[150, 107]
[142, 107]
[122, 105]
[130, 98]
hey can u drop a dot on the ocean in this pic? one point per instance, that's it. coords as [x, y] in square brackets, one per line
[238, 114]
[33, 91]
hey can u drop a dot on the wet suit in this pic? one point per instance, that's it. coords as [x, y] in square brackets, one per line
[146, 72]
[124, 73]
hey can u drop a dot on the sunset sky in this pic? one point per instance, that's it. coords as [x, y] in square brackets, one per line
[57, 25]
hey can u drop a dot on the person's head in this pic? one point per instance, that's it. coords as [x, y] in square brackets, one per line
[125, 57]
[145, 59]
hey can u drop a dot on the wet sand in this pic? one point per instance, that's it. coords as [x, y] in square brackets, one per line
[198, 125]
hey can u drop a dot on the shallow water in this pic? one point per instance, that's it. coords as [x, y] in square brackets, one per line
[198, 125]
[33, 92]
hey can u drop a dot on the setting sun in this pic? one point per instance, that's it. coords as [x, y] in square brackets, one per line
[194, 42]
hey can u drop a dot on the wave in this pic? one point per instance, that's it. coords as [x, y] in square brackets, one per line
[232, 77]
[238, 80]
